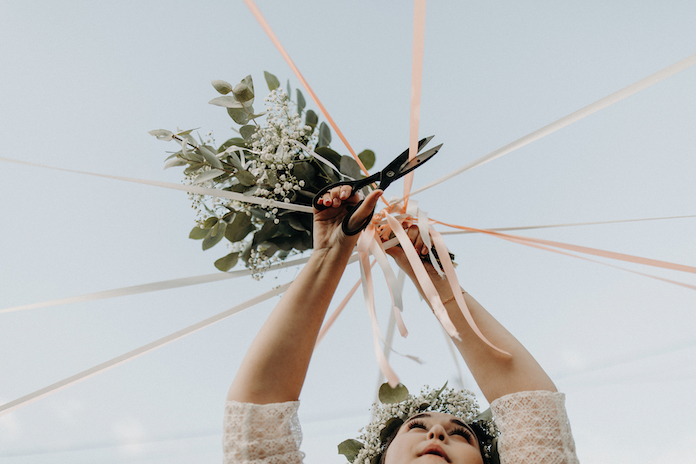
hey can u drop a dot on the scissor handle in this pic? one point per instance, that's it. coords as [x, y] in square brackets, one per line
[355, 186]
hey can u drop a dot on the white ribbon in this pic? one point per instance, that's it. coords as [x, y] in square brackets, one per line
[98, 369]
[569, 119]
[185, 188]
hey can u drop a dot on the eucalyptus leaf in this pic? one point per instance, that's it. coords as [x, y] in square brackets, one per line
[271, 80]
[368, 158]
[389, 395]
[239, 227]
[227, 262]
[296, 224]
[311, 119]
[267, 231]
[350, 449]
[198, 233]
[238, 115]
[270, 250]
[246, 253]
[233, 158]
[436, 394]
[227, 101]
[485, 415]
[243, 93]
[247, 132]
[304, 171]
[208, 175]
[300, 101]
[210, 222]
[324, 135]
[289, 90]
[223, 87]
[174, 162]
[234, 141]
[193, 168]
[392, 425]
[246, 178]
[350, 167]
[330, 155]
[162, 134]
[186, 132]
[248, 82]
[215, 234]
[210, 157]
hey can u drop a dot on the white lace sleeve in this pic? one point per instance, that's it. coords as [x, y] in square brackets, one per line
[534, 428]
[261, 433]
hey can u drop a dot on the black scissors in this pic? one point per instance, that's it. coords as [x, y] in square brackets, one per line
[395, 170]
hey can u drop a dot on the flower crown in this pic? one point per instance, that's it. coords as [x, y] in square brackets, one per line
[397, 405]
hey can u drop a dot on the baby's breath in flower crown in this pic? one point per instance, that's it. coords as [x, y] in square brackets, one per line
[397, 405]
[286, 160]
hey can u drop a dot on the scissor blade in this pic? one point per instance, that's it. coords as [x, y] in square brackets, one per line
[409, 166]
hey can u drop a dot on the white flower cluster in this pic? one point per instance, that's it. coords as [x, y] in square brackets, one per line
[459, 403]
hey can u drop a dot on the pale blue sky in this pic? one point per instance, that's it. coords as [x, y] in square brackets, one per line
[82, 82]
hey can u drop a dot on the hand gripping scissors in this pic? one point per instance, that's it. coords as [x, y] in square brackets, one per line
[394, 170]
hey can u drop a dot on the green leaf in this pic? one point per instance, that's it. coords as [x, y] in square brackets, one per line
[228, 262]
[350, 449]
[223, 87]
[215, 234]
[289, 90]
[304, 171]
[234, 141]
[324, 135]
[296, 224]
[271, 80]
[330, 155]
[210, 157]
[247, 132]
[174, 162]
[248, 82]
[208, 175]
[368, 158]
[350, 167]
[243, 93]
[162, 134]
[389, 395]
[239, 227]
[238, 115]
[311, 119]
[246, 178]
[436, 395]
[300, 102]
[389, 428]
[485, 415]
[233, 158]
[198, 233]
[210, 222]
[228, 101]
[193, 168]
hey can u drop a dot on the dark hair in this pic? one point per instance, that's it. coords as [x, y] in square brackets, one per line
[487, 444]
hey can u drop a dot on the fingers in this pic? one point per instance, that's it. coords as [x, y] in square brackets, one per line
[413, 233]
[335, 196]
[365, 209]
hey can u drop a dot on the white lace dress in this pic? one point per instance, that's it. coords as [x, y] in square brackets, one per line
[534, 430]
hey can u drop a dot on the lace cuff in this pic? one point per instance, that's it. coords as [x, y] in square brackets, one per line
[534, 428]
[261, 433]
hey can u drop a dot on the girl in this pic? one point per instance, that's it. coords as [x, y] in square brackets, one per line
[261, 424]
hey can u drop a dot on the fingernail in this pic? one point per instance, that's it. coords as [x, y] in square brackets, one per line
[424, 250]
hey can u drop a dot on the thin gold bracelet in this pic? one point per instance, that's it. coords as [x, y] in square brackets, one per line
[451, 298]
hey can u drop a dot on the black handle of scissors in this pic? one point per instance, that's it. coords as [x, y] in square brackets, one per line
[355, 185]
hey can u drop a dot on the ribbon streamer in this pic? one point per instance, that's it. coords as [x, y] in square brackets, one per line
[185, 188]
[416, 85]
[98, 369]
[267, 28]
[153, 287]
[569, 119]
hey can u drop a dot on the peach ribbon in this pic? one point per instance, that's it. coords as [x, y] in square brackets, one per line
[267, 28]
[416, 85]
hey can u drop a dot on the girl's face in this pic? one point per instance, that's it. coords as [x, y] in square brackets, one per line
[434, 438]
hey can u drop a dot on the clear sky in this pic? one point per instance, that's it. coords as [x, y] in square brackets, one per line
[82, 82]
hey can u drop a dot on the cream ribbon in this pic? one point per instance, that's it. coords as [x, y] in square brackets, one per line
[98, 369]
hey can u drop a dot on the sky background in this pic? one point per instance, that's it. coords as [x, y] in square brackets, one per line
[82, 83]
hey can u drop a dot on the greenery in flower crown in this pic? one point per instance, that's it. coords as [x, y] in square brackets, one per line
[397, 405]
[276, 161]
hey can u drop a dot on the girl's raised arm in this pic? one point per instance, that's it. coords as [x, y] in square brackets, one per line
[275, 366]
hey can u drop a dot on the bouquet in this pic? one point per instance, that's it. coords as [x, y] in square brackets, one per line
[286, 160]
